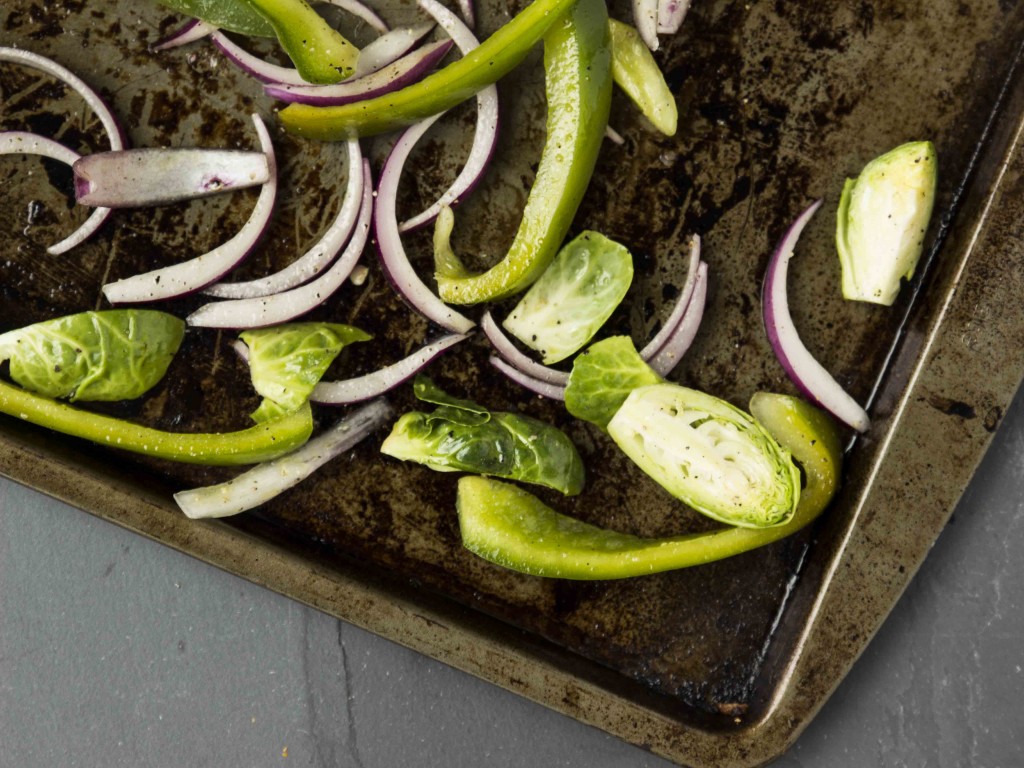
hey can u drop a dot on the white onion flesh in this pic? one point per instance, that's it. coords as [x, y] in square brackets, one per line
[115, 134]
[195, 274]
[264, 71]
[25, 143]
[135, 178]
[542, 388]
[803, 369]
[513, 356]
[613, 136]
[269, 479]
[655, 344]
[667, 357]
[671, 14]
[189, 32]
[317, 258]
[645, 18]
[388, 48]
[259, 312]
[485, 139]
[468, 12]
[383, 380]
[393, 257]
[393, 76]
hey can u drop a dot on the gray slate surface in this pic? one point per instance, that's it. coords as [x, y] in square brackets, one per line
[116, 651]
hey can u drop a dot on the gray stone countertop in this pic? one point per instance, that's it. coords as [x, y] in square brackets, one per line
[116, 651]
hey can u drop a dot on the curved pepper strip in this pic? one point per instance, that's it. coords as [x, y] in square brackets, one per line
[510, 527]
[577, 67]
[247, 446]
[494, 58]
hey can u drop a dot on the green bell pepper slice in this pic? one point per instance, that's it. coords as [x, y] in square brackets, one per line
[638, 75]
[247, 446]
[494, 58]
[320, 53]
[577, 66]
[511, 527]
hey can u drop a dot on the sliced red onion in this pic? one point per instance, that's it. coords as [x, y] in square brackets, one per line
[671, 14]
[671, 352]
[264, 71]
[362, 11]
[645, 17]
[389, 242]
[405, 70]
[24, 143]
[381, 381]
[262, 311]
[613, 136]
[468, 12]
[510, 352]
[194, 274]
[668, 327]
[189, 32]
[115, 135]
[542, 388]
[389, 47]
[271, 478]
[486, 137]
[316, 259]
[807, 374]
[134, 178]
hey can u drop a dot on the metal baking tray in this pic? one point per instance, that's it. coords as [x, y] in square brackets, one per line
[721, 665]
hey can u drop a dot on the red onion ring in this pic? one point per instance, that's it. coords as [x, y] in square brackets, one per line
[194, 274]
[395, 75]
[389, 242]
[809, 376]
[485, 139]
[262, 311]
[542, 388]
[383, 380]
[671, 14]
[316, 259]
[24, 143]
[362, 11]
[189, 32]
[645, 18]
[388, 48]
[667, 357]
[271, 478]
[264, 71]
[520, 360]
[115, 135]
[468, 12]
[661, 337]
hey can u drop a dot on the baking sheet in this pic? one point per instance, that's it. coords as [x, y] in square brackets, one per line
[719, 665]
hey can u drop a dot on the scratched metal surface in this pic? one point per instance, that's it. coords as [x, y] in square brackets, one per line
[779, 102]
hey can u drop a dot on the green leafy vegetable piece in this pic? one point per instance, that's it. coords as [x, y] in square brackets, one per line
[574, 297]
[637, 73]
[708, 454]
[287, 361]
[112, 355]
[882, 219]
[509, 526]
[602, 378]
[462, 436]
[320, 53]
[232, 15]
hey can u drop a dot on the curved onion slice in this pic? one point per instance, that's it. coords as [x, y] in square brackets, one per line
[265, 481]
[613, 136]
[389, 242]
[661, 337]
[154, 176]
[510, 352]
[645, 18]
[671, 352]
[24, 143]
[808, 374]
[389, 47]
[486, 137]
[316, 259]
[259, 312]
[191, 275]
[189, 32]
[362, 11]
[264, 71]
[395, 75]
[115, 135]
[671, 14]
[377, 383]
[542, 388]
